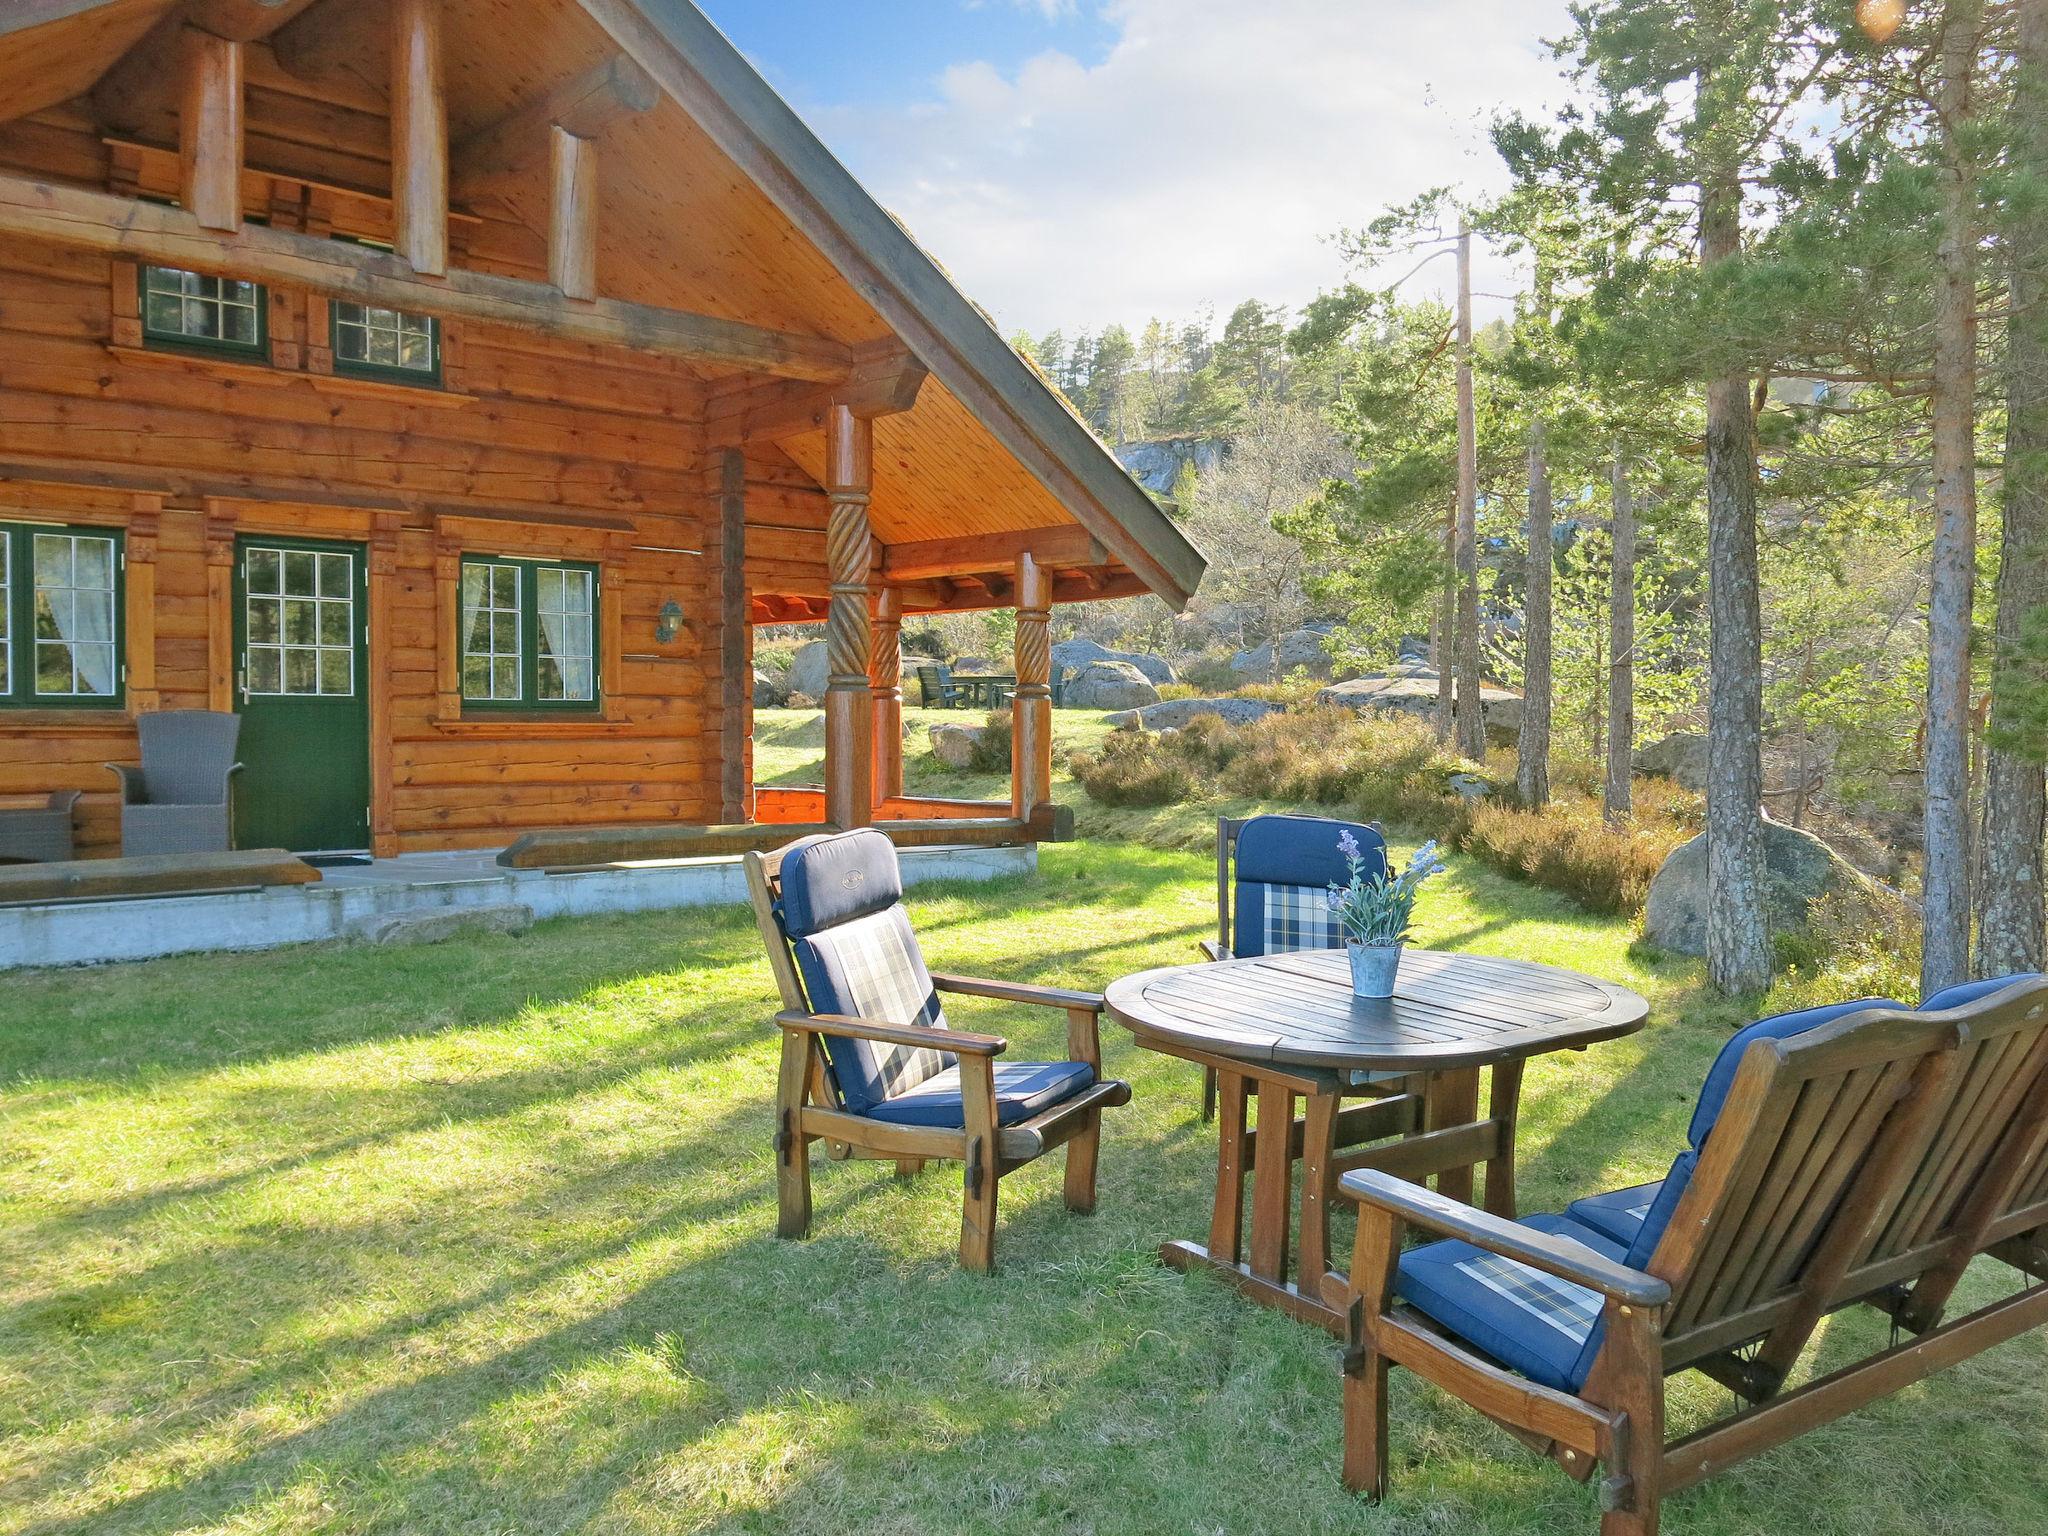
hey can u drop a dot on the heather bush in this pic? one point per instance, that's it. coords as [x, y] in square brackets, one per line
[990, 752]
[1132, 770]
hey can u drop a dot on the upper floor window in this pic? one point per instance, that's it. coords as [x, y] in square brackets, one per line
[190, 309]
[60, 615]
[386, 343]
[529, 634]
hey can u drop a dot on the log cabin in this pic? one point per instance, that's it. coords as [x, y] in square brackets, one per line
[450, 387]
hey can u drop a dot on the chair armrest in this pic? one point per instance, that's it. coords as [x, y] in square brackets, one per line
[1017, 992]
[1558, 1256]
[64, 799]
[1214, 950]
[233, 769]
[958, 1041]
[131, 782]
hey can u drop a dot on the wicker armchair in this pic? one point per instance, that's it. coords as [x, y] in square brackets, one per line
[177, 801]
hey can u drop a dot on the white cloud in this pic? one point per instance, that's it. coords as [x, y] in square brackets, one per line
[1207, 157]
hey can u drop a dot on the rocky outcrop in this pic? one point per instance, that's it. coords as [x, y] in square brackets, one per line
[1299, 650]
[1077, 653]
[1172, 714]
[1110, 685]
[1680, 757]
[1799, 869]
[1158, 465]
[808, 671]
[768, 693]
[953, 745]
[1410, 688]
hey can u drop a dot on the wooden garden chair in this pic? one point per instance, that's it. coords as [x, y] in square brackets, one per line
[936, 688]
[869, 1061]
[1272, 873]
[1861, 1154]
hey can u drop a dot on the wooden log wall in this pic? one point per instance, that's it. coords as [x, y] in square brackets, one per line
[535, 448]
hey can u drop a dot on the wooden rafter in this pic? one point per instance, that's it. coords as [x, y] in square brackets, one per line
[921, 560]
[881, 384]
[242, 21]
[142, 231]
[583, 106]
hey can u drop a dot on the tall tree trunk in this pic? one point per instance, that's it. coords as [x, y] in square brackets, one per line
[1621, 646]
[1738, 936]
[1445, 643]
[2010, 922]
[1945, 952]
[1471, 715]
[1532, 761]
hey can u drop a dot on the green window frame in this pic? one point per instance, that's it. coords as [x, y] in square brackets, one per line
[190, 311]
[528, 635]
[394, 345]
[63, 625]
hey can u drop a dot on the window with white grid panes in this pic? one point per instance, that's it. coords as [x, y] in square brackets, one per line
[301, 617]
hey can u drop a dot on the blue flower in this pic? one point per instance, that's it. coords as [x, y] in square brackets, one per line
[1347, 844]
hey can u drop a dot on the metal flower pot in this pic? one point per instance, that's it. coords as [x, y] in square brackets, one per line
[1374, 968]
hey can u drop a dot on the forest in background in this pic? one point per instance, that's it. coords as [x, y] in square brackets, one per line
[1764, 449]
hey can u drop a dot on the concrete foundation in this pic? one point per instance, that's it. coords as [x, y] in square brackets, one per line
[381, 899]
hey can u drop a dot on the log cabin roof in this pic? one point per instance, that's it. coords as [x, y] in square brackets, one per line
[716, 200]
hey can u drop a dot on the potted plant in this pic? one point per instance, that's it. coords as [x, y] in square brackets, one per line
[1376, 910]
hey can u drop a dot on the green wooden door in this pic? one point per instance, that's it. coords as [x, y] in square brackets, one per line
[302, 686]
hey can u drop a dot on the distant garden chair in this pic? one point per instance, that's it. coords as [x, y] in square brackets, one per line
[936, 688]
[39, 834]
[177, 801]
[870, 1062]
[1859, 1153]
[1279, 869]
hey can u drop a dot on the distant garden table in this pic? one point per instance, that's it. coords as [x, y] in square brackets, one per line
[985, 690]
[1280, 1025]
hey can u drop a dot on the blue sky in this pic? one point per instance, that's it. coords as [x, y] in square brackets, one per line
[1080, 162]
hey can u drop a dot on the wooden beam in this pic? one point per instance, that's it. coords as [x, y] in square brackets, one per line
[22, 15]
[144, 231]
[941, 596]
[419, 137]
[336, 37]
[140, 87]
[1066, 544]
[584, 106]
[572, 214]
[242, 21]
[881, 385]
[210, 130]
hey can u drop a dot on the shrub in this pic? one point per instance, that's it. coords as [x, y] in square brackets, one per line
[990, 752]
[1132, 770]
[1568, 848]
[1210, 673]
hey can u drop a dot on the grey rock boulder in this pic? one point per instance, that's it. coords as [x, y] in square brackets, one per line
[953, 745]
[1110, 685]
[768, 693]
[1410, 688]
[1680, 757]
[451, 923]
[1077, 653]
[1799, 869]
[808, 671]
[1172, 714]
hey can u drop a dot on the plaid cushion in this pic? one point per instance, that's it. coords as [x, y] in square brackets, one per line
[1546, 1328]
[1299, 917]
[1570, 1309]
[871, 968]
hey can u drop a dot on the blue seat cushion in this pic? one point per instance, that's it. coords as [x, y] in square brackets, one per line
[1964, 993]
[1529, 1321]
[1780, 1026]
[1023, 1089]
[1618, 1214]
[834, 879]
[1285, 866]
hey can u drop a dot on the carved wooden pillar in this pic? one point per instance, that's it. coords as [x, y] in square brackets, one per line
[885, 681]
[849, 553]
[1031, 705]
[140, 614]
[383, 603]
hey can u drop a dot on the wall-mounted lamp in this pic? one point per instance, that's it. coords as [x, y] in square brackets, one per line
[669, 624]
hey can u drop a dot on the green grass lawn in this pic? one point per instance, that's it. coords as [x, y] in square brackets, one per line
[477, 1239]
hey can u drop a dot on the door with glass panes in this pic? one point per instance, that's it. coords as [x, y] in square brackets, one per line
[303, 689]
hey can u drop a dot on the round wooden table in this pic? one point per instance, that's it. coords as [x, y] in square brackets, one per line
[1280, 1025]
